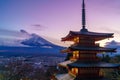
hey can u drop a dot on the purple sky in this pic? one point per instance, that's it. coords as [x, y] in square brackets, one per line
[53, 19]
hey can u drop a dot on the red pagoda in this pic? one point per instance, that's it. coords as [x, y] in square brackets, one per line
[84, 63]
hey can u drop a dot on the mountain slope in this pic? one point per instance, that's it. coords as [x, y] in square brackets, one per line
[36, 40]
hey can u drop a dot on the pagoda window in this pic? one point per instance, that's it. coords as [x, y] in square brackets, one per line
[76, 54]
[101, 72]
[74, 70]
[76, 39]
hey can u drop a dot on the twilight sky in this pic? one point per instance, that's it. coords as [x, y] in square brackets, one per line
[53, 19]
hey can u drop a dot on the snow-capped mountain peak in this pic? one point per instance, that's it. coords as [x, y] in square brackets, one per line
[36, 40]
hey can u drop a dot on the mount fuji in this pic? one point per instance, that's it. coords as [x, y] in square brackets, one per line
[37, 41]
[33, 45]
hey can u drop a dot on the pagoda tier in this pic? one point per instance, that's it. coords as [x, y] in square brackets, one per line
[69, 77]
[89, 70]
[78, 64]
[97, 78]
[65, 63]
[95, 49]
[96, 36]
[65, 77]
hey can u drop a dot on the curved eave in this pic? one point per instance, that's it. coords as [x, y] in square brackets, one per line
[65, 50]
[91, 33]
[64, 77]
[96, 78]
[69, 37]
[71, 49]
[93, 65]
[95, 35]
[99, 49]
[65, 63]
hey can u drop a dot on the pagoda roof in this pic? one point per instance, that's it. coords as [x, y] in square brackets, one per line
[85, 48]
[70, 77]
[65, 63]
[97, 36]
[88, 78]
[93, 65]
[64, 77]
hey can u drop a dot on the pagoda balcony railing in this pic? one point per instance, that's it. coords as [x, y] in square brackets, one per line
[89, 76]
[88, 58]
[96, 59]
[73, 59]
[74, 44]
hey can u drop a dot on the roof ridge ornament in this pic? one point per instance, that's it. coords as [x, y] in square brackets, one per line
[83, 18]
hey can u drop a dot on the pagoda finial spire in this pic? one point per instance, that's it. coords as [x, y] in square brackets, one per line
[83, 17]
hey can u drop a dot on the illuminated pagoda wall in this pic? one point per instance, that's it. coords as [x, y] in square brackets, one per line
[84, 63]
